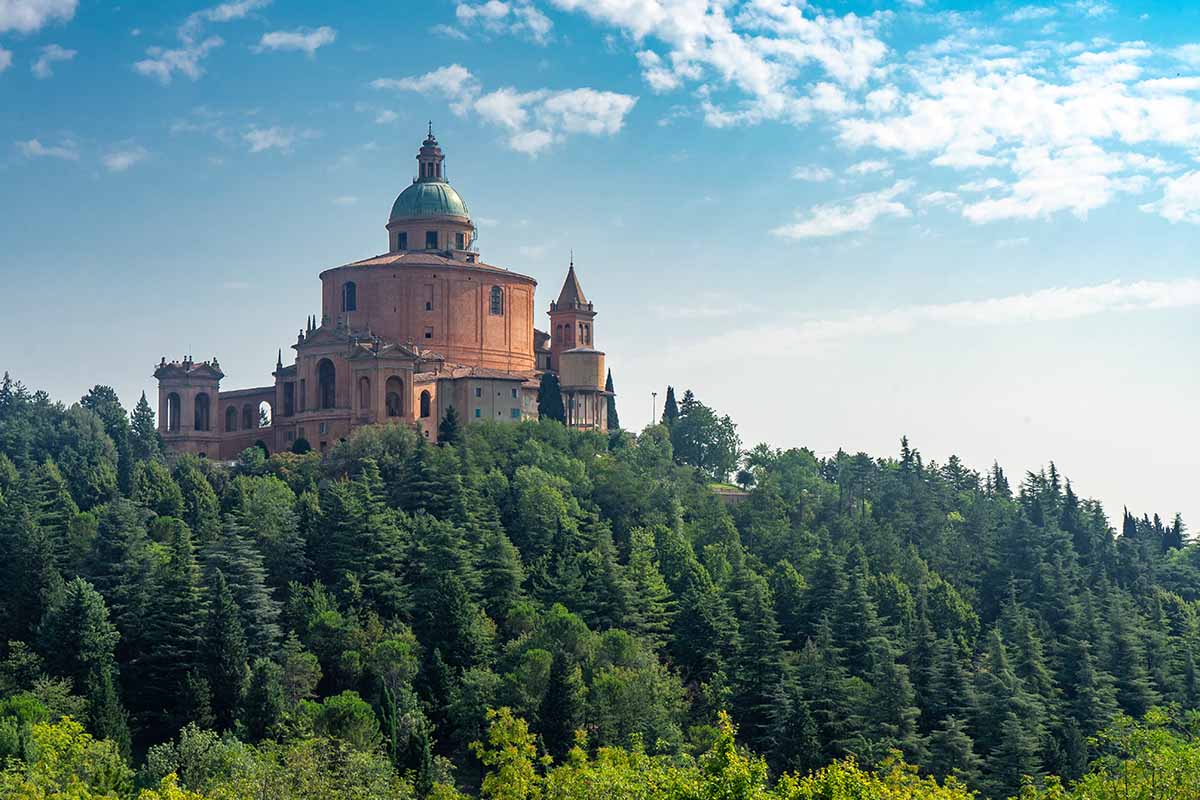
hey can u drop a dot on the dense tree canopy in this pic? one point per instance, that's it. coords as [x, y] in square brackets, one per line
[528, 611]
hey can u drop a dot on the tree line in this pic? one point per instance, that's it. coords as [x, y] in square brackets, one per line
[381, 614]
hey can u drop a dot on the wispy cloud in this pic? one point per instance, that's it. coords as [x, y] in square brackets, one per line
[791, 338]
[29, 16]
[5, 59]
[123, 158]
[812, 173]
[345, 200]
[869, 167]
[43, 67]
[519, 17]
[67, 150]
[306, 41]
[858, 214]
[709, 305]
[274, 138]
[163, 63]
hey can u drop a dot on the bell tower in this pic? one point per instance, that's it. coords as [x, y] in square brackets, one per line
[571, 319]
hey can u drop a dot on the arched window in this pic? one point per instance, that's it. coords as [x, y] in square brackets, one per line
[248, 420]
[425, 402]
[326, 384]
[395, 397]
[201, 417]
[349, 296]
[266, 415]
[364, 393]
[173, 411]
[497, 305]
[558, 334]
[230, 419]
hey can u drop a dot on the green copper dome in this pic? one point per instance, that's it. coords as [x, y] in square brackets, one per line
[429, 198]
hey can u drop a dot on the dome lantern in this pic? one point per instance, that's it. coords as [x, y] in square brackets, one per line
[429, 214]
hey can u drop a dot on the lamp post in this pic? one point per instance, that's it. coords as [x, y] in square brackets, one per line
[653, 405]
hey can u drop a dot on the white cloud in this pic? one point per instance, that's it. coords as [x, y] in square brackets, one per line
[494, 16]
[788, 338]
[812, 173]
[939, 199]
[29, 16]
[1181, 199]
[869, 168]
[274, 138]
[44, 66]
[449, 31]
[306, 41]
[534, 120]
[67, 150]
[123, 158]
[162, 63]
[5, 59]
[762, 49]
[1092, 8]
[707, 305]
[982, 186]
[1030, 13]
[859, 214]
[1188, 53]
[345, 200]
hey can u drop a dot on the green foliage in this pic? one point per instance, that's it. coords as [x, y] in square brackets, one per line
[550, 404]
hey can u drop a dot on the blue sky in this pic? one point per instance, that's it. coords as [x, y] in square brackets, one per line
[974, 224]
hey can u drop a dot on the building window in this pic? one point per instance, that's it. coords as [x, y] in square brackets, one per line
[303, 397]
[514, 394]
[429, 297]
[431, 240]
[516, 413]
[230, 419]
[201, 416]
[497, 304]
[364, 393]
[402, 240]
[478, 392]
[558, 334]
[425, 402]
[429, 333]
[291, 436]
[460, 241]
[173, 413]
[395, 393]
[326, 384]
[478, 413]
[324, 428]
[349, 296]
[289, 399]
[247, 417]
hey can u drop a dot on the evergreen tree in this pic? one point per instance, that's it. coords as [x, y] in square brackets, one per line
[240, 564]
[670, 408]
[28, 572]
[154, 488]
[225, 652]
[78, 643]
[264, 704]
[952, 753]
[563, 707]
[760, 663]
[501, 575]
[54, 511]
[614, 421]
[550, 404]
[450, 428]
[103, 401]
[145, 444]
[651, 604]
[201, 510]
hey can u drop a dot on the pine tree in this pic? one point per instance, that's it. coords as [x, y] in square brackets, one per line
[153, 487]
[201, 511]
[501, 575]
[28, 573]
[145, 444]
[893, 716]
[119, 568]
[264, 704]
[563, 706]
[103, 401]
[952, 753]
[55, 511]
[670, 408]
[170, 648]
[450, 429]
[550, 404]
[651, 604]
[241, 567]
[614, 421]
[225, 652]
[78, 643]
[760, 661]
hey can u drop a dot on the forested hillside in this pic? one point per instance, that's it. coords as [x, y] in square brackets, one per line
[529, 611]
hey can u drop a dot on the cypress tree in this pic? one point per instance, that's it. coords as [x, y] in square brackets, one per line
[450, 429]
[144, 441]
[563, 706]
[670, 408]
[550, 404]
[225, 652]
[614, 421]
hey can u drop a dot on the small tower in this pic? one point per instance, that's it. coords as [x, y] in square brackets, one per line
[571, 319]
[430, 215]
[573, 355]
[187, 406]
[430, 158]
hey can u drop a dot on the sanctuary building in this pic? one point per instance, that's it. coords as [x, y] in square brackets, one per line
[402, 337]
